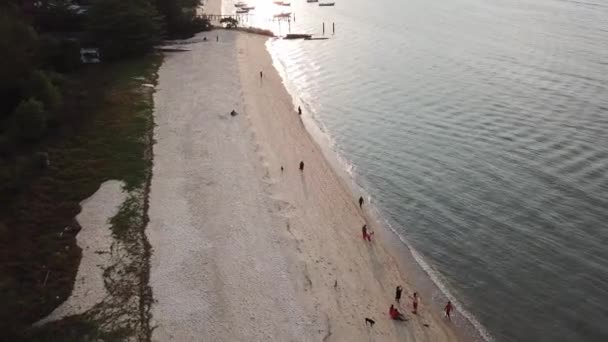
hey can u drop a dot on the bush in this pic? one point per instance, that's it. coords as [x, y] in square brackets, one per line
[40, 87]
[30, 119]
[181, 19]
[230, 22]
[60, 54]
[7, 145]
[57, 16]
[124, 28]
[18, 43]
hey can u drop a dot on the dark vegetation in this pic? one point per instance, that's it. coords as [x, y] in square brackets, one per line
[66, 127]
[230, 22]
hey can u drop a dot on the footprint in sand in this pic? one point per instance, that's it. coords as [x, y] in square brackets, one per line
[284, 208]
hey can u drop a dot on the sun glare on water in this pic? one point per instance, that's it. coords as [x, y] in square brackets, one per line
[264, 13]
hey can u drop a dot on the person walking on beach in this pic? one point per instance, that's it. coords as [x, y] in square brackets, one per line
[366, 236]
[217, 38]
[361, 202]
[299, 110]
[261, 74]
[448, 310]
[398, 291]
[415, 303]
[301, 166]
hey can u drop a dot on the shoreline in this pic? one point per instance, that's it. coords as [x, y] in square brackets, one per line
[343, 187]
[236, 242]
[322, 273]
[407, 258]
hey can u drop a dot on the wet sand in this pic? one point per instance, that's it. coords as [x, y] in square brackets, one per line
[241, 250]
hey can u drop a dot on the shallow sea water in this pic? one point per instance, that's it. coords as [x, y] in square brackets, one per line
[480, 130]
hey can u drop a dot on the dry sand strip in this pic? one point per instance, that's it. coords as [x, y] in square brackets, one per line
[241, 250]
[220, 266]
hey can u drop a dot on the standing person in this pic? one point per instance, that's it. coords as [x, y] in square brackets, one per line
[415, 303]
[301, 166]
[366, 236]
[361, 202]
[217, 38]
[398, 291]
[261, 74]
[299, 110]
[448, 310]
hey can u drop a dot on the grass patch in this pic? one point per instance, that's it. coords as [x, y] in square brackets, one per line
[107, 136]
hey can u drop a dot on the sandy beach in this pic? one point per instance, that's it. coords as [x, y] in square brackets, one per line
[95, 240]
[243, 251]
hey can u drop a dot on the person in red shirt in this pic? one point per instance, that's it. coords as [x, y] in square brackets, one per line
[395, 314]
[366, 235]
[448, 309]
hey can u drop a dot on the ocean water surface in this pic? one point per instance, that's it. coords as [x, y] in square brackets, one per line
[479, 128]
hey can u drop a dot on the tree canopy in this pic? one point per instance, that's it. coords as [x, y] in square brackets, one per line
[230, 22]
[124, 28]
[17, 49]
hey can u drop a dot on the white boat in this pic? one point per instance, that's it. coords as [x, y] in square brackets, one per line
[326, 3]
[286, 4]
[249, 8]
[242, 11]
[283, 15]
[240, 4]
[278, 2]
[312, 0]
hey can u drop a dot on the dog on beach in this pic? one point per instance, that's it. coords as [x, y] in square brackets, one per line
[369, 321]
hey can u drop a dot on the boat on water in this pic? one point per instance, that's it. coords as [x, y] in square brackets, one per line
[312, 0]
[327, 3]
[240, 4]
[283, 15]
[249, 8]
[286, 4]
[278, 2]
[242, 11]
[298, 36]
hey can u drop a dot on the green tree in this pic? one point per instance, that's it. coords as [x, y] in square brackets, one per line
[57, 16]
[30, 119]
[181, 19]
[124, 28]
[17, 48]
[230, 22]
[40, 87]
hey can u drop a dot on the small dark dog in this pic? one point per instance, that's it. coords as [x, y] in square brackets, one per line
[370, 321]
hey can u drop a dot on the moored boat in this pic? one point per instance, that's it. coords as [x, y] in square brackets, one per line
[298, 36]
